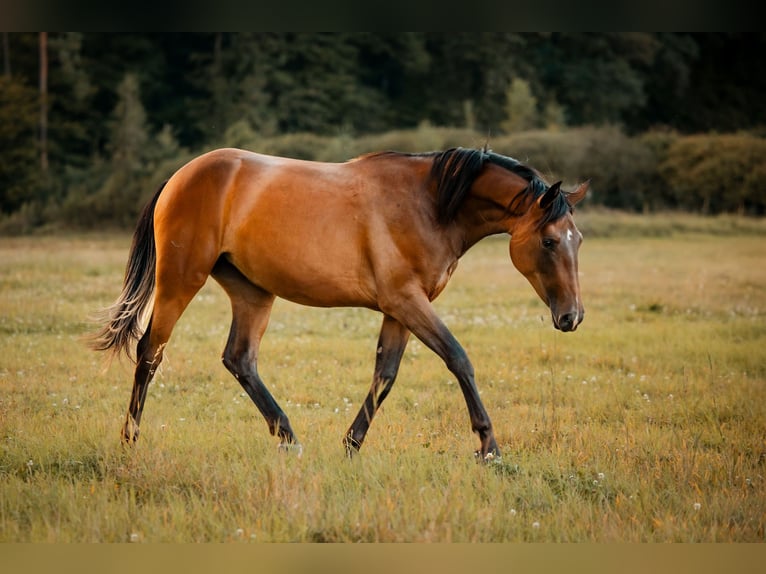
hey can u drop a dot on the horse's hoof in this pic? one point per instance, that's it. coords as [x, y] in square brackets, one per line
[352, 446]
[129, 440]
[490, 458]
[130, 430]
[295, 448]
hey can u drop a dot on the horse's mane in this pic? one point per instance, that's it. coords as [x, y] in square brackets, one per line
[455, 170]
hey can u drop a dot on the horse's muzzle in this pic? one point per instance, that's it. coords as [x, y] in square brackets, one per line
[568, 321]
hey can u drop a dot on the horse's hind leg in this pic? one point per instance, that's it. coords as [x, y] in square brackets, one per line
[168, 307]
[146, 365]
[251, 308]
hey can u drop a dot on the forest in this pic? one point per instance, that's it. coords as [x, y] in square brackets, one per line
[91, 124]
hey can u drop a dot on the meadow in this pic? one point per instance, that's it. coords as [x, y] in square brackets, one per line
[646, 425]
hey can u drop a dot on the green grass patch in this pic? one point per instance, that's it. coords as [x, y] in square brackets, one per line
[646, 425]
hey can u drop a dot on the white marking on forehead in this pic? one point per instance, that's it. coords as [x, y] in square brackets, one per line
[569, 235]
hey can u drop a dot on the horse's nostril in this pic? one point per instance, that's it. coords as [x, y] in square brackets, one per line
[566, 321]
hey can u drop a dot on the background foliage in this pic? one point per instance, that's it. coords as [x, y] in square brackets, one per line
[655, 120]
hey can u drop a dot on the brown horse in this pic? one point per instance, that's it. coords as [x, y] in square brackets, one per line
[383, 231]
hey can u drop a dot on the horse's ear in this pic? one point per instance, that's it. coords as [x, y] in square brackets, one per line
[547, 199]
[578, 194]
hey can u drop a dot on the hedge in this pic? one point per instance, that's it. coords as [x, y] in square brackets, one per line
[654, 171]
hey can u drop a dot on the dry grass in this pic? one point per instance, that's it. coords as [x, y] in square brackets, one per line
[648, 424]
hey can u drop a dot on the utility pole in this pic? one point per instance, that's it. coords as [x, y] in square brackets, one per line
[44, 101]
[6, 56]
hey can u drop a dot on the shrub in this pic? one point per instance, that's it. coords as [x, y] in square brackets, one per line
[649, 172]
[298, 145]
[620, 168]
[717, 173]
[422, 139]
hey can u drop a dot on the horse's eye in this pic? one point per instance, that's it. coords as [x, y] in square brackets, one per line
[549, 243]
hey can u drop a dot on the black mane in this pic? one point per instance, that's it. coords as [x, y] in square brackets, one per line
[455, 170]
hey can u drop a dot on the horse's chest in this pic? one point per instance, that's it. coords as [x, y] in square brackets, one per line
[442, 281]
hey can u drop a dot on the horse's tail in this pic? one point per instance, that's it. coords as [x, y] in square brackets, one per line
[123, 319]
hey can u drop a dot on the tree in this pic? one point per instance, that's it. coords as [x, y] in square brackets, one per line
[116, 187]
[75, 121]
[128, 125]
[200, 90]
[724, 92]
[18, 144]
[465, 66]
[668, 78]
[234, 73]
[521, 107]
[316, 86]
[598, 78]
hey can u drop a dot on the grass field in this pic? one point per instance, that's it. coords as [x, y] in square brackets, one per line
[647, 424]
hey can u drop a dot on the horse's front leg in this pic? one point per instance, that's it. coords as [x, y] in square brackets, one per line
[391, 344]
[418, 315]
[251, 309]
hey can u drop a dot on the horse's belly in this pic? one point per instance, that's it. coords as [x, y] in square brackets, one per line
[309, 278]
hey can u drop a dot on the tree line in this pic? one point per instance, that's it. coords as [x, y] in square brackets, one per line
[86, 119]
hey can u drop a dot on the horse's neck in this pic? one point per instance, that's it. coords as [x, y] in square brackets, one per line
[484, 215]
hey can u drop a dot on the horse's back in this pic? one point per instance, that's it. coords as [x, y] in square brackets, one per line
[299, 229]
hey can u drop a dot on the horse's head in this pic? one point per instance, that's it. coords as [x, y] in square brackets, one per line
[544, 249]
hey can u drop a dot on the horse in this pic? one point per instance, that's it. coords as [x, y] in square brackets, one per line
[382, 231]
